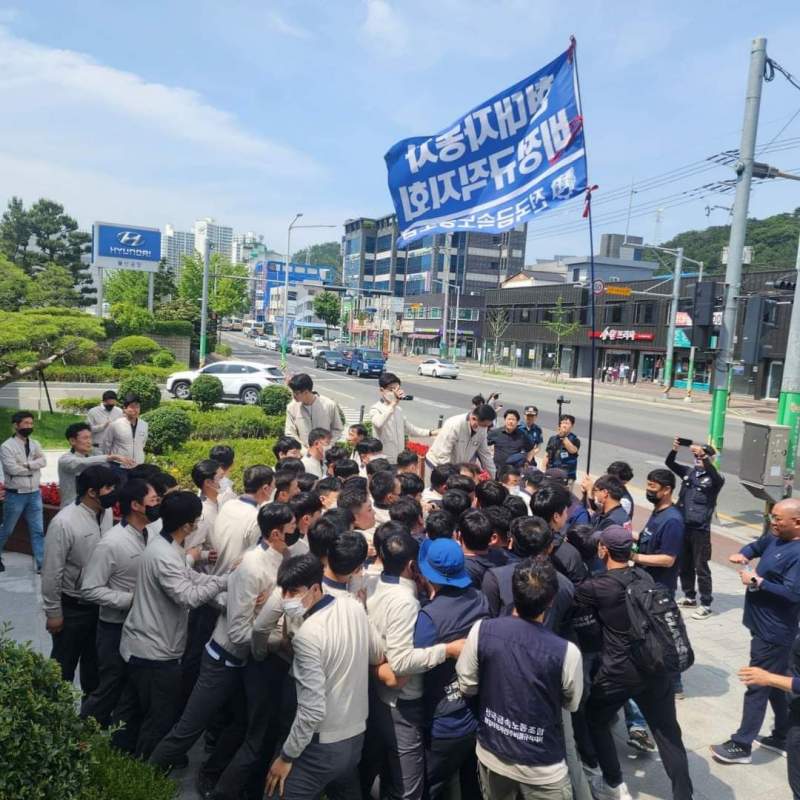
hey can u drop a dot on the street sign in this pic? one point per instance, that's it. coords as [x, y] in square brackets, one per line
[598, 287]
[126, 247]
[618, 291]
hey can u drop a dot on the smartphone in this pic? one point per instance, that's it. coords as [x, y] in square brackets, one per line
[684, 442]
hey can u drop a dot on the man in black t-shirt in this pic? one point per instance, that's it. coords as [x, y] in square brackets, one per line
[562, 447]
[509, 442]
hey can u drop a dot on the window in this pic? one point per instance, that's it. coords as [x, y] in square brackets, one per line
[216, 369]
[645, 313]
[576, 274]
[435, 312]
[525, 315]
[614, 313]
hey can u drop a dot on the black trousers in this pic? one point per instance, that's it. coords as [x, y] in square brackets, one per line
[694, 564]
[202, 621]
[101, 703]
[793, 755]
[149, 705]
[76, 644]
[656, 700]
[445, 758]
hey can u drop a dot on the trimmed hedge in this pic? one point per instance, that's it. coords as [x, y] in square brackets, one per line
[248, 452]
[222, 349]
[139, 348]
[145, 388]
[116, 776]
[274, 398]
[104, 373]
[171, 327]
[78, 405]
[206, 391]
[169, 427]
[234, 422]
[163, 358]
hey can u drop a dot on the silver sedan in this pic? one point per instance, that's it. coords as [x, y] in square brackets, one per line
[438, 368]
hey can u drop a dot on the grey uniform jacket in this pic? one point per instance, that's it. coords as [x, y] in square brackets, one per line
[235, 531]
[70, 465]
[456, 442]
[391, 427]
[21, 471]
[322, 413]
[110, 577]
[119, 439]
[71, 539]
[166, 588]
[99, 420]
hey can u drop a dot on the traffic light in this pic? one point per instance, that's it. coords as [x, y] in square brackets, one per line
[785, 284]
[760, 313]
[705, 298]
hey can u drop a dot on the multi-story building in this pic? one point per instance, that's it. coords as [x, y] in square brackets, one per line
[243, 245]
[219, 237]
[269, 281]
[472, 260]
[175, 245]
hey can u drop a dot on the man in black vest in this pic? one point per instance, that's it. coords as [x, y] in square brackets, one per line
[450, 720]
[523, 675]
[607, 493]
[700, 487]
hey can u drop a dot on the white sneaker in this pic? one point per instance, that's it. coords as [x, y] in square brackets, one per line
[704, 612]
[602, 791]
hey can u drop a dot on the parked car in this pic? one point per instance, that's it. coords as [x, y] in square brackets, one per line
[302, 347]
[260, 341]
[366, 362]
[317, 338]
[273, 343]
[347, 353]
[241, 380]
[251, 333]
[329, 359]
[438, 368]
[319, 347]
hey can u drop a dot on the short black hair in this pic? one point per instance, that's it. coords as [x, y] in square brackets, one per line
[621, 470]
[73, 430]
[162, 482]
[407, 458]
[384, 531]
[663, 477]
[485, 413]
[203, 471]
[297, 571]
[611, 485]
[284, 445]
[344, 469]
[410, 484]
[369, 446]
[533, 585]
[386, 379]
[305, 503]
[283, 480]
[478, 400]
[95, 477]
[327, 485]
[532, 536]
[490, 493]
[379, 465]
[301, 383]
[147, 472]
[18, 416]
[512, 412]
[475, 529]
[272, 516]
[516, 505]
[222, 454]
[179, 509]
[440, 474]
[356, 482]
[382, 485]
[293, 465]
[506, 470]
[306, 481]
[338, 452]
[322, 534]
[109, 394]
[463, 482]
[396, 551]
[440, 525]
[352, 498]
[456, 502]
[551, 499]
[257, 476]
[406, 510]
[581, 538]
[347, 553]
[567, 416]
[500, 520]
[317, 434]
[473, 469]
[341, 517]
[133, 490]
[130, 399]
[359, 429]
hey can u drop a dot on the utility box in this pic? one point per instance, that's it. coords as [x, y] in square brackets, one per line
[764, 449]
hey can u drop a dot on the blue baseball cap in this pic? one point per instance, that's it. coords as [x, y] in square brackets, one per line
[441, 561]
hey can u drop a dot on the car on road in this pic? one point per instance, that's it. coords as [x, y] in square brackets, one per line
[251, 333]
[241, 380]
[329, 359]
[366, 361]
[319, 347]
[260, 341]
[273, 343]
[302, 347]
[438, 368]
[317, 338]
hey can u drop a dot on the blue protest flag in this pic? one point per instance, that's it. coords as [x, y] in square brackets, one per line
[503, 163]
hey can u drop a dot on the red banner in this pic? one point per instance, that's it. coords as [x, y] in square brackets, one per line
[617, 335]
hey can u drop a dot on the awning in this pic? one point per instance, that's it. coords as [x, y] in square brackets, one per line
[423, 335]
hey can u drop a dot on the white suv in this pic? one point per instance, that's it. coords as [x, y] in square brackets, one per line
[241, 380]
[302, 347]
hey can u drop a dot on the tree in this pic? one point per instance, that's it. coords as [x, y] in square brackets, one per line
[328, 307]
[326, 253]
[561, 328]
[130, 287]
[229, 292]
[15, 233]
[14, 285]
[53, 285]
[130, 318]
[497, 322]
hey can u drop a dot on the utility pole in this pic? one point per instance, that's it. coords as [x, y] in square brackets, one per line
[150, 291]
[204, 305]
[789, 403]
[692, 352]
[733, 273]
[455, 325]
[673, 313]
[446, 289]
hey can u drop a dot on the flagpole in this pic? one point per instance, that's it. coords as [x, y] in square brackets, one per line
[588, 213]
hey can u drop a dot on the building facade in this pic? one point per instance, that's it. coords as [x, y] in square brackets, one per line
[219, 237]
[269, 281]
[175, 245]
[422, 330]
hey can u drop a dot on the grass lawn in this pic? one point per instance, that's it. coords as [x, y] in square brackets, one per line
[48, 431]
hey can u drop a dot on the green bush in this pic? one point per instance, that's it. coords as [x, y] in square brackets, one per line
[169, 427]
[171, 327]
[85, 352]
[179, 463]
[103, 373]
[206, 391]
[234, 422]
[78, 405]
[140, 348]
[130, 319]
[115, 776]
[149, 394]
[274, 399]
[222, 349]
[121, 359]
[163, 358]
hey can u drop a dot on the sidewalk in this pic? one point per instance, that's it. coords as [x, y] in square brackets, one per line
[708, 715]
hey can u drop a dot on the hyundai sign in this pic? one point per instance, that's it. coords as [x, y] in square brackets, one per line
[126, 247]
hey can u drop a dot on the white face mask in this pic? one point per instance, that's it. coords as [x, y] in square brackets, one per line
[293, 607]
[225, 484]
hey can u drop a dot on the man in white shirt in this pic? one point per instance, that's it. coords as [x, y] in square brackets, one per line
[462, 438]
[100, 417]
[314, 460]
[224, 455]
[309, 410]
[127, 435]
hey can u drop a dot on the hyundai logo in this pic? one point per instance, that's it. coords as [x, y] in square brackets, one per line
[130, 238]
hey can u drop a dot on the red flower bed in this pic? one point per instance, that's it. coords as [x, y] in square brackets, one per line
[50, 494]
[418, 447]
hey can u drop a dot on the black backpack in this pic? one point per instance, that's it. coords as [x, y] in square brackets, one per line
[659, 642]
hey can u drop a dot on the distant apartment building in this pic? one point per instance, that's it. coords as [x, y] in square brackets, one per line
[219, 237]
[245, 245]
[175, 245]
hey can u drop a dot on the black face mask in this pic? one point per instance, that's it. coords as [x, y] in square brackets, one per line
[152, 513]
[108, 407]
[652, 497]
[291, 538]
[26, 432]
[107, 500]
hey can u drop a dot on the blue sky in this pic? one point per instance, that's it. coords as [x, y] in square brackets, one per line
[151, 113]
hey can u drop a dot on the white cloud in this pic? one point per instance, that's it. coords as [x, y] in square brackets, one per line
[281, 25]
[384, 30]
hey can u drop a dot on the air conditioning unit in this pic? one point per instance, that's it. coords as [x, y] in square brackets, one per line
[613, 279]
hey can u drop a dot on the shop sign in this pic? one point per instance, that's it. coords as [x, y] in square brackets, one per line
[614, 334]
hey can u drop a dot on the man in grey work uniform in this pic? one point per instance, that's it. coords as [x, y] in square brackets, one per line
[100, 417]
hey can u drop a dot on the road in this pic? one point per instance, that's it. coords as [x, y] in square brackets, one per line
[632, 431]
